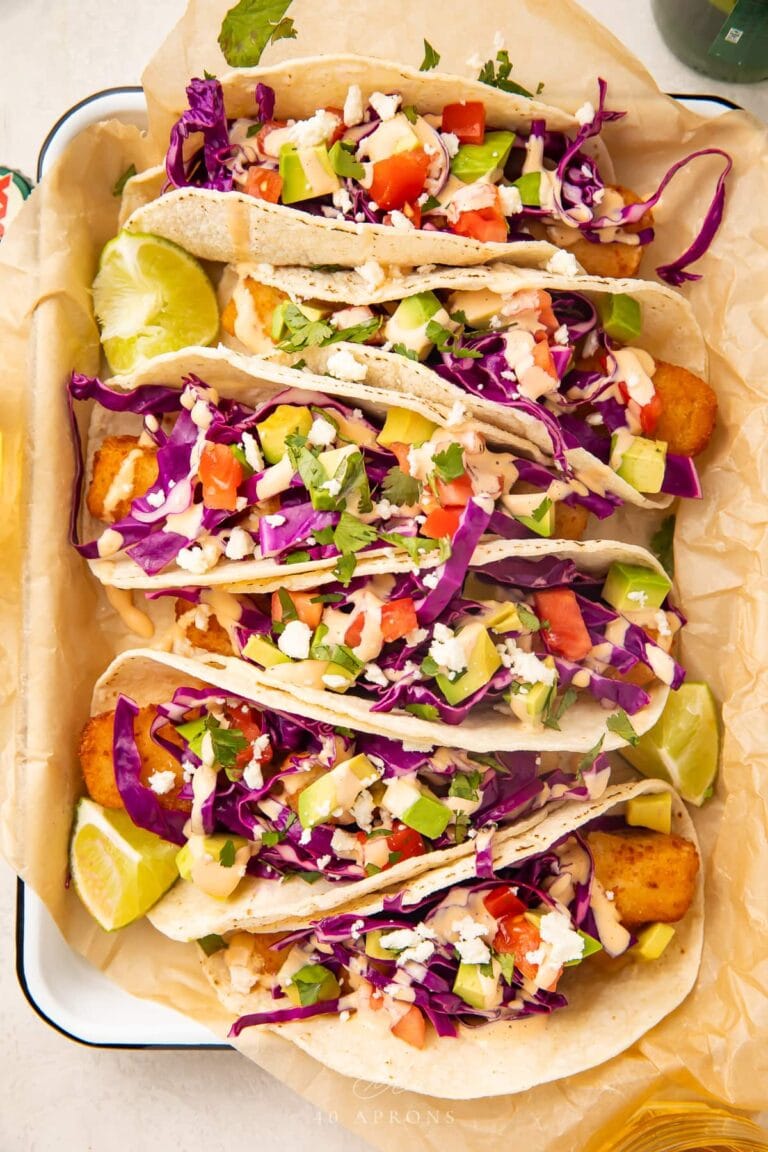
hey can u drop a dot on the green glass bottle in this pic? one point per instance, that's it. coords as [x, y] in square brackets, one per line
[725, 39]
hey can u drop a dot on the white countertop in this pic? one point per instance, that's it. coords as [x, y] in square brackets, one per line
[53, 1093]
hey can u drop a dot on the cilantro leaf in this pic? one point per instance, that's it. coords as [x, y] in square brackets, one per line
[527, 618]
[328, 597]
[429, 667]
[249, 27]
[285, 30]
[410, 112]
[507, 963]
[254, 129]
[227, 854]
[212, 943]
[589, 758]
[343, 162]
[351, 534]
[662, 545]
[449, 464]
[310, 980]
[499, 78]
[415, 546]
[270, 838]
[401, 350]
[620, 724]
[287, 606]
[299, 557]
[372, 870]
[465, 785]
[399, 488]
[308, 878]
[558, 708]
[461, 828]
[303, 332]
[447, 341]
[121, 181]
[431, 58]
[394, 857]
[345, 568]
[430, 203]
[423, 711]
[324, 536]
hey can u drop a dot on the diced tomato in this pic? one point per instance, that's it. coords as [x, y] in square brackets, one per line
[466, 121]
[247, 721]
[517, 936]
[400, 179]
[649, 413]
[220, 473]
[407, 842]
[264, 184]
[309, 613]
[542, 356]
[413, 212]
[375, 1002]
[567, 633]
[412, 1027]
[502, 902]
[546, 315]
[455, 493]
[400, 452]
[442, 522]
[398, 618]
[484, 224]
[354, 632]
[340, 128]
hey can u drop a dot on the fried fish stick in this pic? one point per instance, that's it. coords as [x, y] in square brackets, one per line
[688, 410]
[264, 299]
[122, 470]
[614, 259]
[652, 875]
[96, 759]
[570, 521]
[212, 638]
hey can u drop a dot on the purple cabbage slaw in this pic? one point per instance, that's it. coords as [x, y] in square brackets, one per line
[577, 185]
[146, 533]
[338, 941]
[411, 686]
[507, 786]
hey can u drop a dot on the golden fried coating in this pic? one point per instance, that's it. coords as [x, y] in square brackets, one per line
[96, 760]
[614, 259]
[214, 638]
[254, 950]
[265, 301]
[689, 410]
[570, 521]
[652, 875]
[137, 476]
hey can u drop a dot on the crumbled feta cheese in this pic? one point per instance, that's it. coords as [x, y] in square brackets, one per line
[155, 499]
[431, 579]
[343, 366]
[332, 486]
[373, 673]
[316, 130]
[295, 639]
[239, 545]
[526, 665]
[353, 106]
[362, 810]
[322, 433]
[356, 930]
[400, 221]
[323, 862]
[342, 200]
[451, 142]
[306, 836]
[420, 459]
[385, 106]
[252, 774]
[199, 558]
[561, 334]
[638, 597]
[563, 264]
[188, 770]
[274, 520]
[372, 273]
[420, 953]
[457, 414]
[594, 418]
[446, 650]
[559, 944]
[585, 114]
[591, 344]
[662, 624]
[416, 637]
[510, 199]
[162, 782]
[373, 206]
[473, 951]
[385, 510]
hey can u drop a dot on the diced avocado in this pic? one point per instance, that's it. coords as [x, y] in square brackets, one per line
[286, 420]
[209, 863]
[474, 988]
[503, 618]
[338, 788]
[405, 427]
[343, 162]
[373, 946]
[529, 187]
[590, 947]
[339, 672]
[390, 138]
[408, 323]
[428, 816]
[279, 329]
[640, 462]
[651, 811]
[312, 984]
[530, 704]
[315, 311]
[478, 307]
[483, 161]
[542, 522]
[306, 173]
[621, 317]
[332, 459]
[653, 940]
[483, 661]
[630, 586]
[264, 652]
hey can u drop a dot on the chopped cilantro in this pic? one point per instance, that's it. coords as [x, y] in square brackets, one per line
[308, 877]
[430, 203]
[429, 667]
[250, 26]
[401, 350]
[394, 857]
[269, 839]
[415, 546]
[372, 870]
[310, 980]
[306, 333]
[287, 605]
[227, 854]
[447, 341]
[399, 488]
[449, 464]
[324, 536]
[121, 181]
[345, 568]
[461, 828]
[588, 760]
[299, 557]
[499, 77]
[212, 943]
[351, 534]
[285, 30]
[327, 597]
[465, 785]
[254, 129]
[423, 711]
[662, 545]
[557, 709]
[431, 58]
[620, 724]
[410, 112]
[527, 618]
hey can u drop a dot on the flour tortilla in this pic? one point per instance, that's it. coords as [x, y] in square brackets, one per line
[609, 1008]
[670, 332]
[231, 226]
[252, 382]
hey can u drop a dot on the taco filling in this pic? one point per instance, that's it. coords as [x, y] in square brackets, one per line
[551, 356]
[502, 949]
[245, 790]
[304, 477]
[380, 161]
[527, 638]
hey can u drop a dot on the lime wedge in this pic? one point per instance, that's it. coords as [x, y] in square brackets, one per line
[683, 747]
[119, 870]
[151, 297]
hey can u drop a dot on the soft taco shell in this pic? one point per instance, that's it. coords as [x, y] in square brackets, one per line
[608, 1009]
[231, 226]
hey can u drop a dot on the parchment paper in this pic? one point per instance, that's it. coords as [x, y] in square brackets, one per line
[57, 632]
